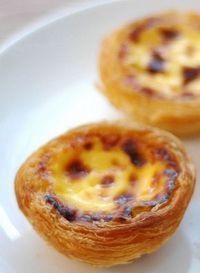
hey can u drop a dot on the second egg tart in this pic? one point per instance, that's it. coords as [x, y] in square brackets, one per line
[107, 193]
[151, 70]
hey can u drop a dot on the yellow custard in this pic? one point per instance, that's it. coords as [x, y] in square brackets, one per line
[98, 180]
[165, 57]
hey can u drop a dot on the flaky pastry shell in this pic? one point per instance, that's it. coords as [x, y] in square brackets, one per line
[150, 69]
[137, 221]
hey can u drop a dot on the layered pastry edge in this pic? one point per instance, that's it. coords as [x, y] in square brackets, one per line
[123, 85]
[105, 243]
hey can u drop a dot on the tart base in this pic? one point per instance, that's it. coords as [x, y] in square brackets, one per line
[179, 114]
[105, 244]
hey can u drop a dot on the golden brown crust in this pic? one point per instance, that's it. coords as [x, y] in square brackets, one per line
[104, 243]
[141, 78]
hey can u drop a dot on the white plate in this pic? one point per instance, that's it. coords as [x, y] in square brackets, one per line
[47, 85]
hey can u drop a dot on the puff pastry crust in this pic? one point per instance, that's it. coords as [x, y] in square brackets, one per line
[150, 69]
[107, 193]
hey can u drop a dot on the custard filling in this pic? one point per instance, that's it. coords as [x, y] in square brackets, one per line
[168, 51]
[97, 181]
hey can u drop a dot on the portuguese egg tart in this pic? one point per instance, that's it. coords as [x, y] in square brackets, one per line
[107, 193]
[150, 69]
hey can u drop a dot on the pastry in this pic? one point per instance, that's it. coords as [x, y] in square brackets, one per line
[107, 193]
[150, 69]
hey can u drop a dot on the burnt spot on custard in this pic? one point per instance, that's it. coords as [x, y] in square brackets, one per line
[156, 64]
[126, 204]
[110, 141]
[130, 148]
[135, 34]
[123, 199]
[72, 215]
[169, 34]
[148, 92]
[133, 179]
[115, 163]
[190, 74]
[75, 169]
[106, 217]
[163, 154]
[160, 198]
[68, 213]
[88, 146]
[171, 175]
[107, 181]
[127, 212]
[86, 218]
[96, 217]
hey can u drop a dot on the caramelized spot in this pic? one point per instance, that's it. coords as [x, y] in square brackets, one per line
[157, 63]
[163, 154]
[123, 52]
[96, 217]
[108, 217]
[148, 91]
[135, 34]
[123, 199]
[169, 33]
[124, 214]
[109, 141]
[129, 147]
[102, 216]
[127, 212]
[76, 169]
[86, 218]
[67, 213]
[88, 145]
[115, 162]
[149, 203]
[171, 174]
[133, 179]
[107, 180]
[190, 74]
[42, 168]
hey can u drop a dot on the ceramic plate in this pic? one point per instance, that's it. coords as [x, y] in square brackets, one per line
[48, 85]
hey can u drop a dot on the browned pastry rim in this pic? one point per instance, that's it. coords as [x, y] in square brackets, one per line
[150, 69]
[104, 241]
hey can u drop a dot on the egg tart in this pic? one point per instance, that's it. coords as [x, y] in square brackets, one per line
[150, 69]
[107, 193]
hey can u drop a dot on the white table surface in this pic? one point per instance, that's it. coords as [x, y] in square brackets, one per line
[19, 17]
